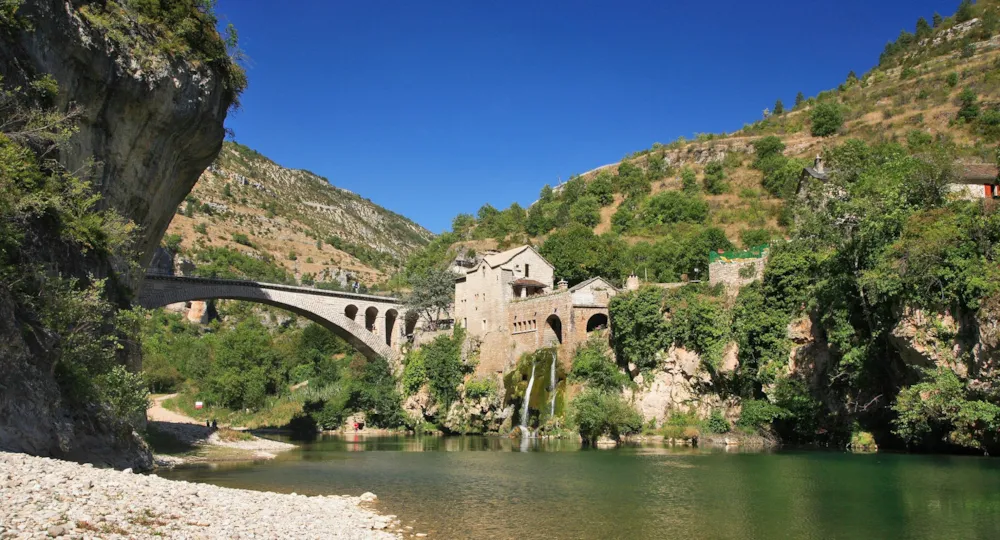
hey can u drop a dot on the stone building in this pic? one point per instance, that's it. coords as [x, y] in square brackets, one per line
[510, 302]
[975, 181]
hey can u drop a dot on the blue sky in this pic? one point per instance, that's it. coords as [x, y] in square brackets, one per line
[435, 108]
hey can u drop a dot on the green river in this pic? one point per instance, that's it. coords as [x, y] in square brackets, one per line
[487, 487]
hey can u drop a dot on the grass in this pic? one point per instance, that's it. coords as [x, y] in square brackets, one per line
[232, 435]
[276, 413]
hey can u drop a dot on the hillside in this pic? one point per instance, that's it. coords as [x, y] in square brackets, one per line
[292, 218]
[936, 86]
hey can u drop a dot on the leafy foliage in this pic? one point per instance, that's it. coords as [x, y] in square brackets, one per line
[593, 367]
[597, 413]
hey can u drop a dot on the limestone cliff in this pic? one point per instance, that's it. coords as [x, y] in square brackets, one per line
[147, 123]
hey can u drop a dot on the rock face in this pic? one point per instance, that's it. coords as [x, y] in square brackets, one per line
[681, 384]
[150, 132]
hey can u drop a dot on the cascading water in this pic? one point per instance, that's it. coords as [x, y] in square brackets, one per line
[525, 404]
[552, 386]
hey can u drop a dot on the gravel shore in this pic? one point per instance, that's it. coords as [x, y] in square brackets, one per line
[42, 497]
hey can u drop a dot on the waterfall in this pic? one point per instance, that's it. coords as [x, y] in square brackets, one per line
[552, 386]
[527, 400]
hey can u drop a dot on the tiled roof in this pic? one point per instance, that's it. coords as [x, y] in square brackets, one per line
[972, 172]
[528, 282]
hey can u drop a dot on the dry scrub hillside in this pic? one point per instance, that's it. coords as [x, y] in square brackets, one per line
[293, 218]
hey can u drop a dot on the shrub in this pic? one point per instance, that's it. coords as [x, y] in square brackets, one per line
[172, 242]
[602, 189]
[716, 423]
[757, 413]
[673, 207]
[201, 228]
[242, 239]
[715, 177]
[591, 366]
[480, 388]
[689, 182]
[755, 237]
[826, 119]
[586, 211]
[951, 80]
[969, 109]
[638, 330]
[597, 413]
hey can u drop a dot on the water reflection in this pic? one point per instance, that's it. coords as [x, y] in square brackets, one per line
[461, 487]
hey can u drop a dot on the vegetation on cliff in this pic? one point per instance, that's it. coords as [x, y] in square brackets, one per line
[51, 230]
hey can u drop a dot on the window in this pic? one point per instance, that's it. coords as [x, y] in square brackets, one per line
[527, 270]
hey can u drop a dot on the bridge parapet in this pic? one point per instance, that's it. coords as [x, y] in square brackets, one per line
[377, 335]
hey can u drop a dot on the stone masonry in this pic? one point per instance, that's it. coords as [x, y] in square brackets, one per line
[372, 324]
[508, 301]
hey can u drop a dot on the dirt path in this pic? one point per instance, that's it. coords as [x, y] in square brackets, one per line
[157, 413]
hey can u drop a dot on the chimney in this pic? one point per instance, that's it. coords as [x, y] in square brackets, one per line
[632, 283]
[562, 285]
[818, 164]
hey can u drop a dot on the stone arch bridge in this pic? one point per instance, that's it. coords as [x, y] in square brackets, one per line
[372, 324]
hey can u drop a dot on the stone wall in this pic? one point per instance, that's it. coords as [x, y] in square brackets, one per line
[728, 272]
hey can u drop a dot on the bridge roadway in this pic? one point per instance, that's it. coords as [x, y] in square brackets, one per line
[370, 323]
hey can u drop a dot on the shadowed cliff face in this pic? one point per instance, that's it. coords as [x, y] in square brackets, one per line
[143, 137]
[150, 132]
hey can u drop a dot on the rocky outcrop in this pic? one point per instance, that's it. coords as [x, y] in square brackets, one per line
[149, 132]
[144, 133]
[682, 385]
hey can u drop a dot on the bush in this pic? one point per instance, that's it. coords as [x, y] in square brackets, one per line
[480, 388]
[755, 237]
[689, 182]
[951, 80]
[172, 242]
[716, 423]
[638, 330]
[715, 178]
[591, 366]
[597, 413]
[826, 119]
[758, 413]
[602, 189]
[201, 228]
[969, 109]
[586, 211]
[242, 239]
[674, 207]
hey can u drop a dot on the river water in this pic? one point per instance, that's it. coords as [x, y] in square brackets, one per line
[487, 487]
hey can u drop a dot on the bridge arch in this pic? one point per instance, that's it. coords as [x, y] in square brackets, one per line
[351, 312]
[596, 322]
[552, 334]
[327, 308]
[371, 315]
[390, 326]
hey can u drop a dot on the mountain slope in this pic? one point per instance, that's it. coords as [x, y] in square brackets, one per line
[314, 230]
[936, 87]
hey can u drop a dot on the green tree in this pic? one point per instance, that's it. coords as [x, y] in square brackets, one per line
[952, 79]
[799, 99]
[779, 107]
[965, 12]
[595, 368]
[462, 224]
[715, 178]
[602, 188]
[673, 207]
[431, 293]
[689, 181]
[826, 119]
[969, 109]
[638, 330]
[586, 211]
[936, 20]
[597, 413]
[372, 390]
[923, 28]
[442, 361]
[246, 368]
[577, 253]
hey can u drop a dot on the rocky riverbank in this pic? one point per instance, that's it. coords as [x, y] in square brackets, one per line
[42, 497]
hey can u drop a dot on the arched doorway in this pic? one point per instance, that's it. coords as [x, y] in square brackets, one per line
[552, 334]
[351, 311]
[390, 326]
[370, 315]
[597, 321]
[410, 321]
